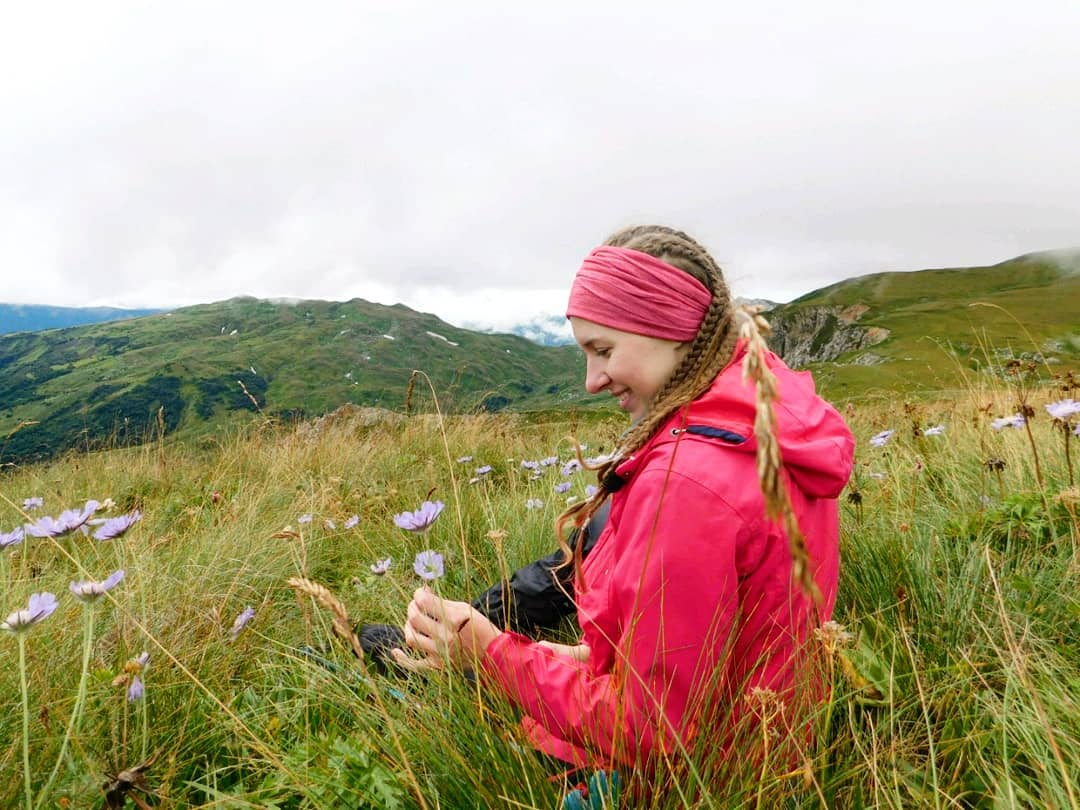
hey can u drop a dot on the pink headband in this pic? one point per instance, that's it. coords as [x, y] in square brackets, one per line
[635, 292]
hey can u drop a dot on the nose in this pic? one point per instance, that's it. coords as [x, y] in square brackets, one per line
[596, 378]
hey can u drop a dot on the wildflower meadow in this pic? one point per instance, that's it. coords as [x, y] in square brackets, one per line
[179, 617]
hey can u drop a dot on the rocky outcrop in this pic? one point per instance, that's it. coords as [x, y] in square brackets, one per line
[807, 335]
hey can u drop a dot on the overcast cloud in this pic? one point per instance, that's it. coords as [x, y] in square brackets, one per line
[462, 157]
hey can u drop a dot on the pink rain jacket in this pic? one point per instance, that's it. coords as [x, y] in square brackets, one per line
[688, 590]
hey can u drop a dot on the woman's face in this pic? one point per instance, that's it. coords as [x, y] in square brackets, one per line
[628, 366]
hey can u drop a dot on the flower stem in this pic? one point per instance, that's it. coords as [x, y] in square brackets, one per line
[26, 721]
[1035, 455]
[145, 727]
[1068, 458]
[76, 712]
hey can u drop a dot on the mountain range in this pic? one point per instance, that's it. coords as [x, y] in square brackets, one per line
[35, 317]
[194, 371]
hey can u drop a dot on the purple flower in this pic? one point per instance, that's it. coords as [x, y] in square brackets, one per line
[483, 470]
[571, 467]
[534, 503]
[64, 523]
[428, 565]
[936, 430]
[304, 519]
[881, 439]
[11, 538]
[245, 616]
[111, 528]
[30, 504]
[530, 465]
[380, 567]
[135, 689]
[421, 519]
[464, 459]
[90, 591]
[1015, 421]
[563, 487]
[549, 461]
[590, 490]
[39, 608]
[1063, 409]
[351, 522]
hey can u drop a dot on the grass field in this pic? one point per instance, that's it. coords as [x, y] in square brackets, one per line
[959, 685]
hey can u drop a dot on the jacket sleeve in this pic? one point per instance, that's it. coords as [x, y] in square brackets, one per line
[673, 593]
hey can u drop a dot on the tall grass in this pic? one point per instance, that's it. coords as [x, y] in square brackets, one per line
[960, 584]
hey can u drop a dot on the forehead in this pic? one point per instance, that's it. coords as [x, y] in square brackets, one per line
[587, 332]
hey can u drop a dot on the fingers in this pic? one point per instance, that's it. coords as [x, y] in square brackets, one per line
[421, 622]
[433, 626]
[407, 662]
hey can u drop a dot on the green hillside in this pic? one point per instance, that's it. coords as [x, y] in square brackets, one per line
[205, 366]
[104, 383]
[945, 325]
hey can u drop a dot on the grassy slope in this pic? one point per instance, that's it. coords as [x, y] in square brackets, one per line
[309, 358]
[959, 689]
[944, 324]
[105, 382]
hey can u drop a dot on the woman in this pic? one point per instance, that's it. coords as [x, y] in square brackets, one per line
[690, 600]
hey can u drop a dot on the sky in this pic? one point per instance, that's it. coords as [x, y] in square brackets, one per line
[461, 158]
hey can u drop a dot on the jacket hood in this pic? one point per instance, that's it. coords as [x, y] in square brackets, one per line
[816, 445]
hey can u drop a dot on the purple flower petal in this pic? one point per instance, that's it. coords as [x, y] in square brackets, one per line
[11, 538]
[90, 591]
[135, 689]
[39, 608]
[30, 504]
[351, 522]
[64, 523]
[245, 616]
[428, 565]
[112, 528]
[421, 519]
[881, 439]
[1017, 421]
[1063, 409]
[380, 567]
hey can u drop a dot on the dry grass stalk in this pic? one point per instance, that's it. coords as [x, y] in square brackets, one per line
[752, 329]
[341, 625]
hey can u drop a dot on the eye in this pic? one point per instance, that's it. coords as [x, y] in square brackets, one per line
[604, 352]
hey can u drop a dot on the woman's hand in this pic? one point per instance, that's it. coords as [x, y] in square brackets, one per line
[579, 652]
[443, 630]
